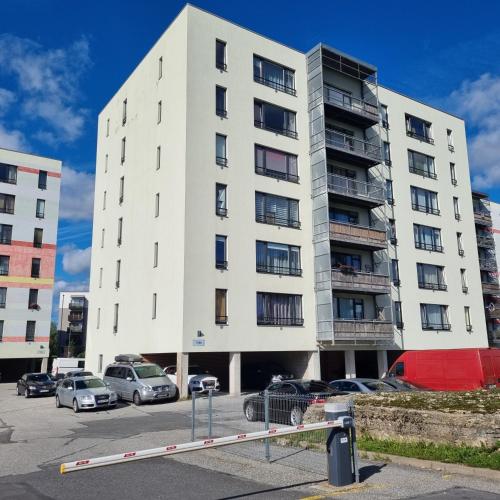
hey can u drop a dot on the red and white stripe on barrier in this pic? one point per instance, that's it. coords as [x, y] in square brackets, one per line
[196, 445]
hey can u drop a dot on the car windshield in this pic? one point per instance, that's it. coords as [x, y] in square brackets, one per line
[93, 383]
[316, 386]
[378, 386]
[39, 377]
[149, 371]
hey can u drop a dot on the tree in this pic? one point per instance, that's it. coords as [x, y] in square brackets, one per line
[53, 341]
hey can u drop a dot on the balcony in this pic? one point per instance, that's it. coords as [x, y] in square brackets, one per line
[276, 321]
[347, 148]
[77, 305]
[78, 328]
[363, 329]
[358, 236]
[345, 278]
[493, 311]
[488, 264]
[347, 108]
[484, 241]
[281, 270]
[371, 194]
[482, 217]
[75, 316]
[490, 287]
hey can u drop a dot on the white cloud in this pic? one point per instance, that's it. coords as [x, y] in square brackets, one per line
[6, 99]
[75, 260]
[12, 139]
[77, 195]
[70, 286]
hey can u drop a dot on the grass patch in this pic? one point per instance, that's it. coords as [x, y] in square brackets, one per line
[488, 458]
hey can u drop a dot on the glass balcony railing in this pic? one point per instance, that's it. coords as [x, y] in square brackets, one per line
[372, 192]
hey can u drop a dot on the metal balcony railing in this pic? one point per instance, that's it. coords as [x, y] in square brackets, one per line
[425, 208]
[431, 247]
[420, 137]
[429, 285]
[488, 264]
[435, 326]
[370, 191]
[485, 241]
[221, 211]
[344, 100]
[482, 217]
[352, 233]
[274, 85]
[276, 174]
[279, 321]
[350, 279]
[7, 210]
[76, 328]
[367, 329]
[350, 144]
[490, 287]
[271, 218]
[77, 304]
[282, 270]
[221, 264]
[220, 320]
[221, 161]
[423, 172]
[282, 131]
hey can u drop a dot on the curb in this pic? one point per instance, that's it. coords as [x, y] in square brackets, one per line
[465, 470]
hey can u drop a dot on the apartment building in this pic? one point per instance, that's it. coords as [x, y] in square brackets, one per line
[257, 203]
[29, 209]
[72, 323]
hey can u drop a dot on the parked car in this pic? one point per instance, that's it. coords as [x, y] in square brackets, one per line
[35, 384]
[61, 366]
[449, 369]
[77, 373]
[400, 385]
[361, 385]
[260, 375]
[288, 400]
[135, 380]
[198, 379]
[84, 393]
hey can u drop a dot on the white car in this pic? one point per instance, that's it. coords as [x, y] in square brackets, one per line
[198, 380]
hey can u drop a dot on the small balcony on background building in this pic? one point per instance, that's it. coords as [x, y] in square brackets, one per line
[348, 279]
[77, 304]
[75, 316]
[490, 287]
[482, 217]
[363, 330]
[485, 241]
[347, 148]
[370, 194]
[358, 236]
[488, 264]
[76, 327]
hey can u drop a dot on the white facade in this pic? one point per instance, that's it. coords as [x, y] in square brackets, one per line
[156, 177]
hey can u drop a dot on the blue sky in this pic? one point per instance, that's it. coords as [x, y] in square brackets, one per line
[61, 61]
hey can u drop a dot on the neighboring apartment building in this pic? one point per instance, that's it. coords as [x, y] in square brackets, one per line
[250, 204]
[72, 323]
[29, 209]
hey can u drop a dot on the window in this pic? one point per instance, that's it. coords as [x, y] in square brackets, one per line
[434, 317]
[275, 163]
[456, 208]
[35, 267]
[153, 315]
[158, 118]
[122, 157]
[4, 265]
[3, 297]
[384, 116]
[453, 175]
[424, 200]
[427, 238]
[220, 55]
[121, 190]
[386, 151]
[221, 150]
[40, 209]
[449, 136]
[160, 67]
[102, 238]
[158, 157]
[395, 272]
[220, 251]
[277, 210]
[398, 314]
[124, 112]
[1, 329]
[5, 234]
[42, 179]
[274, 118]
[99, 363]
[392, 232]
[344, 216]
[118, 273]
[104, 200]
[120, 231]
[221, 200]
[157, 204]
[279, 309]
[274, 75]
[8, 173]
[33, 299]
[107, 127]
[37, 238]
[30, 331]
[468, 325]
[220, 306]
[463, 280]
[155, 254]
[98, 321]
[431, 277]
[349, 308]
[421, 164]
[115, 318]
[345, 261]
[100, 277]
[220, 101]
[7, 202]
[277, 258]
[460, 245]
[106, 159]
[419, 129]
[389, 192]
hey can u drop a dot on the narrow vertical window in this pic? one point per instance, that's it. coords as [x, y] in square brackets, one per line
[40, 209]
[395, 272]
[461, 251]
[3, 297]
[33, 299]
[158, 118]
[118, 273]
[1, 329]
[160, 67]
[35, 267]
[157, 204]
[389, 192]
[220, 55]
[124, 140]
[115, 318]
[120, 231]
[384, 116]
[124, 112]
[100, 277]
[121, 190]
[155, 254]
[453, 174]
[468, 324]
[158, 157]
[104, 200]
[42, 179]
[392, 231]
[220, 101]
[398, 314]
[387, 153]
[4, 265]
[220, 306]
[30, 331]
[221, 150]
[99, 364]
[221, 200]
[449, 136]
[102, 238]
[107, 127]
[106, 159]
[463, 280]
[98, 320]
[220, 251]
[154, 306]
[456, 208]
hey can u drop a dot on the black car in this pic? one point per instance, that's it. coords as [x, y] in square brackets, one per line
[35, 384]
[288, 400]
[260, 375]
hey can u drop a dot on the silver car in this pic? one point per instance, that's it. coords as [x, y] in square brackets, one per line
[361, 385]
[139, 382]
[85, 393]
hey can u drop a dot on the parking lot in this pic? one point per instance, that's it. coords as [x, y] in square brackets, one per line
[35, 438]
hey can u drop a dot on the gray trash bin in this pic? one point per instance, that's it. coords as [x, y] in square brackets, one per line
[338, 446]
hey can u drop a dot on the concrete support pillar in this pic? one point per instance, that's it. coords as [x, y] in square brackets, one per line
[382, 363]
[350, 364]
[45, 365]
[235, 373]
[182, 374]
[313, 368]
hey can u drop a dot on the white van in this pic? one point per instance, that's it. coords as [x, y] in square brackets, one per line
[60, 366]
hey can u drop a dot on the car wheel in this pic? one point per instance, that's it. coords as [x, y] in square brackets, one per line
[26, 393]
[250, 412]
[76, 408]
[58, 403]
[137, 399]
[17, 391]
[296, 416]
